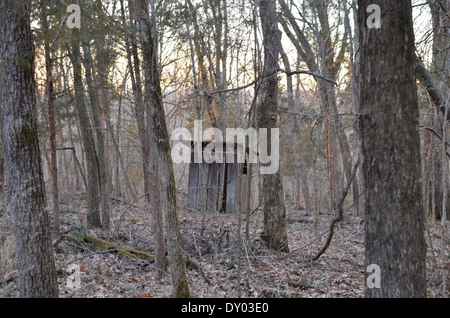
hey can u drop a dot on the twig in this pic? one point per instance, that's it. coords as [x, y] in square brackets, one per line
[60, 238]
[197, 267]
[123, 251]
[290, 73]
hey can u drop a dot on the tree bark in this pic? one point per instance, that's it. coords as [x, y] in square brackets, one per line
[149, 154]
[274, 234]
[2, 154]
[390, 146]
[101, 151]
[104, 63]
[434, 90]
[35, 262]
[156, 123]
[93, 213]
[51, 116]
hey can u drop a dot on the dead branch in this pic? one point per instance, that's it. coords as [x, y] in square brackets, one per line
[97, 244]
[290, 73]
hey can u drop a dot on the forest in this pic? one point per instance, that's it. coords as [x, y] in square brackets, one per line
[224, 149]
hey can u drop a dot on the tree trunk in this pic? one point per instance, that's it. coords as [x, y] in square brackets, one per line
[156, 122]
[149, 154]
[35, 262]
[51, 116]
[441, 29]
[390, 146]
[93, 213]
[2, 154]
[274, 234]
[353, 44]
[136, 83]
[103, 64]
[436, 83]
[102, 158]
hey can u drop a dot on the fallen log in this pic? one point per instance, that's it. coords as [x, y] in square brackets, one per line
[98, 244]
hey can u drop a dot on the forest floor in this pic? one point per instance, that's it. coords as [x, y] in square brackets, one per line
[338, 273]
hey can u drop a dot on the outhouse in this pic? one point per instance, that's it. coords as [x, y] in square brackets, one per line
[221, 179]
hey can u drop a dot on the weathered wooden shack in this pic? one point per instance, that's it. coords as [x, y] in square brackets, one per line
[221, 179]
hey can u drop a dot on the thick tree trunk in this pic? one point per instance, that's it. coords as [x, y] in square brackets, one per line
[394, 218]
[35, 262]
[148, 150]
[2, 154]
[274, 234]
[156, 122]
[136, 83]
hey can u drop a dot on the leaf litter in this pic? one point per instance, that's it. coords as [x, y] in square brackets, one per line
[212, 246]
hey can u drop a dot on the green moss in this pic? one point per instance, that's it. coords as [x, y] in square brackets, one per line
[24, 60]
[102, 245]
[36, 194]
[27, 134]
[183, 290]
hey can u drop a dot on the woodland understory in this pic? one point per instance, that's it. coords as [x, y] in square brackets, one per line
[213, 256]
[352, 94]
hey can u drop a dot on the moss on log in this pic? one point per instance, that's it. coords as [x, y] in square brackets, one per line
[102, 245]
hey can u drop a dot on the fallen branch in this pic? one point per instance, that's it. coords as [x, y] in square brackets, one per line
[101, 245]
[190, 263]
